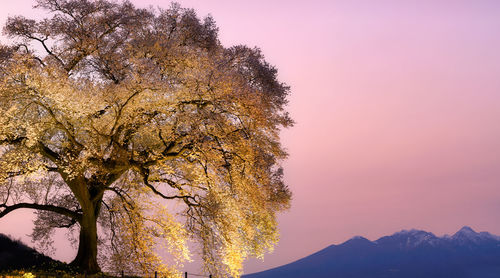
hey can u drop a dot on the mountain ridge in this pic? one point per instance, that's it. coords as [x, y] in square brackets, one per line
[407, 253]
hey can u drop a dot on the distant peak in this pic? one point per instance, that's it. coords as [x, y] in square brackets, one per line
[413, 232]
[467, 229]
[358, 240]
[467, 232]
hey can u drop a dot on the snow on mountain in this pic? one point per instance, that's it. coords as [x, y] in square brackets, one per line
[467, 235]
[415, 238]
[408, 239]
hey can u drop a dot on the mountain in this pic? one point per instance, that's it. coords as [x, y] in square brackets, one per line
[15, 255]
[406, 254]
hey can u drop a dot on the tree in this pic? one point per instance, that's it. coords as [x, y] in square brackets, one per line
[136, 127]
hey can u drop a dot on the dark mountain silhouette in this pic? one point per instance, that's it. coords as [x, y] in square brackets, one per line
[14, 255]
[406, 254]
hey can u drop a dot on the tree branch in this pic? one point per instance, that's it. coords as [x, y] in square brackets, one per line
[59, 123]
[122, 195]
[186, 198]
[64, 211]
[145, 176]
[42, 42]
[68, 225]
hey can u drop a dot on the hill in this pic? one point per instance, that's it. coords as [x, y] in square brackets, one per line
[406, 254]
[15, 255]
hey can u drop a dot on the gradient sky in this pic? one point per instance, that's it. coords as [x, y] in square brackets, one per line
[397, 105]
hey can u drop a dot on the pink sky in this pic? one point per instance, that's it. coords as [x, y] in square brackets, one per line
[397, 106]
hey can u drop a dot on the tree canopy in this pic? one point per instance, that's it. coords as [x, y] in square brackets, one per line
[135, 128]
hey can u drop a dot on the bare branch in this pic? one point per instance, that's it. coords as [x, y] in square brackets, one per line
[61, 210]
[68, 225]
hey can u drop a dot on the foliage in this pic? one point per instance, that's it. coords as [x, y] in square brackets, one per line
[137, 125]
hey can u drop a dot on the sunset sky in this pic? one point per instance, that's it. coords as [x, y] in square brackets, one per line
[397, 105]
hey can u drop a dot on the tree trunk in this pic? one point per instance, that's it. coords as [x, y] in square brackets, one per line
[86, 258]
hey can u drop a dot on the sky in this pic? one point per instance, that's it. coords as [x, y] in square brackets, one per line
[397, 110]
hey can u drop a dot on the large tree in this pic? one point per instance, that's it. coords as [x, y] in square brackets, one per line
[135, 128]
